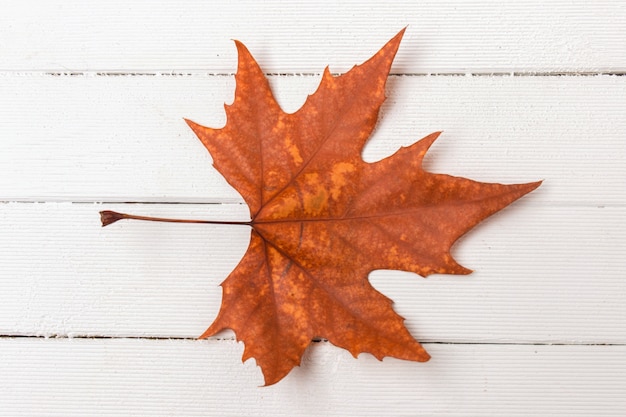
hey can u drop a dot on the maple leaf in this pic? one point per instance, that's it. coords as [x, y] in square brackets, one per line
[322, 218]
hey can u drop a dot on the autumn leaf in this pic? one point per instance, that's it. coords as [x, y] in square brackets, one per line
[322, 218]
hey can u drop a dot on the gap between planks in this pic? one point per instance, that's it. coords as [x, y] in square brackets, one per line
[113, 73]
[241, 203]
[231, 338]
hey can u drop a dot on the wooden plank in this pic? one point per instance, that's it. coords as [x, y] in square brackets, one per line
[448, 36]
[123, 138]
[543, 274]
[178, 377]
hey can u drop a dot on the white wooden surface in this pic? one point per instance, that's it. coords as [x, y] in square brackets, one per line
[102, 321]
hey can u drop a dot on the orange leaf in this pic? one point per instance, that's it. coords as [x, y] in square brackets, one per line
[323, 219]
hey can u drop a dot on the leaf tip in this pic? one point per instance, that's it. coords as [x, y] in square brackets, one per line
[190, 123]
[423, 145]
[423, 356]
[198, 129]
[207, 333]
[529, 187]
[107, 217]
[243, 54]
[393, 44]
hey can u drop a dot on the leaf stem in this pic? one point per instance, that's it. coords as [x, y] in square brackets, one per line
[107, 217]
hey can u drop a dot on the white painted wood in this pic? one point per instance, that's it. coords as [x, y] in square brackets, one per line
[123, 138]
[543, 274]
[197, 378]
[92, 96]
[449, 36]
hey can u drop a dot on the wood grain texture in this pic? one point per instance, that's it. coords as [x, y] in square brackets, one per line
[443, 37]
[43, 377]
[124, 139]
[92, 96]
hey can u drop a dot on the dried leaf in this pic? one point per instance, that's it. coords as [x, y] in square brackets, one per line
[322, 218]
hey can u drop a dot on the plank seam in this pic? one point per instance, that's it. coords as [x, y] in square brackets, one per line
[102, 337]
[107, 73]
[218, 203]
